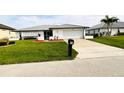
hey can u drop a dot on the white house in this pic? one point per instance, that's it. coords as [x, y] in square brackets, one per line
[64, 31]
[102, 28]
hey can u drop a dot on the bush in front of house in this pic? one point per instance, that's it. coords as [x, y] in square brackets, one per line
[120, 33]
[11, 42]
[95, 35]
[29, 38]
[4, 42]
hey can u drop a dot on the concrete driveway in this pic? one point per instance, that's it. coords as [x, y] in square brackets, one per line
[94, 59]
[90, 49]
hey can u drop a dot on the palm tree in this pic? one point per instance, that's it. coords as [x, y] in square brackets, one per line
[109, 22]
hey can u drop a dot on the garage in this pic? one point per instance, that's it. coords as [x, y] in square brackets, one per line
[72, 33]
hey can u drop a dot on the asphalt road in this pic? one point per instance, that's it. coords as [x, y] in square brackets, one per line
[91, 67]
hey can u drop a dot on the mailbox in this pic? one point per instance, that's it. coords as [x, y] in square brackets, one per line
[70, 43]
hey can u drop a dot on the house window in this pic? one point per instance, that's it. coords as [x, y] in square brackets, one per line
[50, 33]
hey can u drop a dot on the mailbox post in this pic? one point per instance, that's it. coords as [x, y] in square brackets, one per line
[70, 43]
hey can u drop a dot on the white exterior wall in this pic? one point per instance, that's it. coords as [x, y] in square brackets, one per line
[92, 32]
[88, 37]
[14, 36]
[58, 32]
[103, 30]
[4, 33]
[33, 34]
[17, 34]
[68, 33]
[114, 32]
[96, 31]
[121, 30]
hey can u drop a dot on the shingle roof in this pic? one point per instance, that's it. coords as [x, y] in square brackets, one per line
[47, 27]
[102, 25]
[6, 27]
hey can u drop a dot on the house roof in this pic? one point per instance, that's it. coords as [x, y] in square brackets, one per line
[6, 27]
[102, 25]
[48, 27]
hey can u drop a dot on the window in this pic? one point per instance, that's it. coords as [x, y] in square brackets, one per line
[51, 33]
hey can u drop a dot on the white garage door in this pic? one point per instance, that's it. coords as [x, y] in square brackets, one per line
[72, 34]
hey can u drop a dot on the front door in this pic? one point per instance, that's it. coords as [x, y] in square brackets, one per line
[47, 34]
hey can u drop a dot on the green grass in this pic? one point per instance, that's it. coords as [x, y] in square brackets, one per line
[117, 41]
[27, 51]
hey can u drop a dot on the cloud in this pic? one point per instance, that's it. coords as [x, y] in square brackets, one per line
[22, 21]
[26, 21]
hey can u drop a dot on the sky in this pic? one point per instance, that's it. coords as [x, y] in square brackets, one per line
[23, 21]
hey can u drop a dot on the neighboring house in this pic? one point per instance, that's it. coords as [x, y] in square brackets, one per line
[64, 31]
[102, 28]
[6, 32]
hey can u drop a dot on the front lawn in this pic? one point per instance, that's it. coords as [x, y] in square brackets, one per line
[117, 41]
[29, 51]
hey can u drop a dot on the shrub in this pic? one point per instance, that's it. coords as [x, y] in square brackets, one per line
[120, 33]
[95, 36]
[4, 42]
[11, 42]
[29, 38]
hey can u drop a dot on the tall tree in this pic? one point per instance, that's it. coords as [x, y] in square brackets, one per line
[109, 22]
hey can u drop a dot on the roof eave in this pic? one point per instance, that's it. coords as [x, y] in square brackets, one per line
[66, 27]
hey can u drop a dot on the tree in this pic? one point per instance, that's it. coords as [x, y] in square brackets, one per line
[109, 22]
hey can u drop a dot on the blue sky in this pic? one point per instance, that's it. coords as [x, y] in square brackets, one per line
[22, 21]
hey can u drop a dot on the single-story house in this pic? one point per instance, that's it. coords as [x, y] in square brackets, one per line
[6, 32]
[102, 28]
[64, 31]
